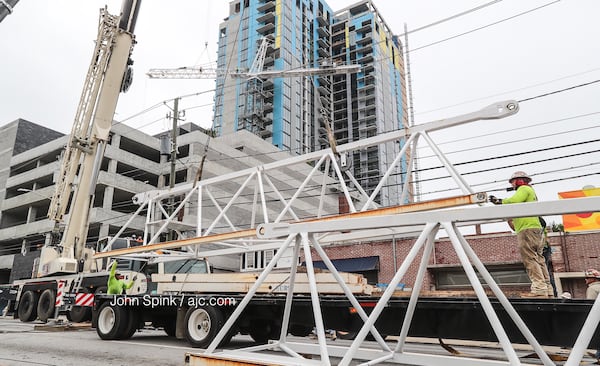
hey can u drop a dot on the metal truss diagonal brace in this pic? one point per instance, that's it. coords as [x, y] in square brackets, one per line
[314, 296]
[587, 331]
[464, 186]
[349, 295]
[502, 298]
[480, 292]
[387, 294]
[412, 304]
[251, 292]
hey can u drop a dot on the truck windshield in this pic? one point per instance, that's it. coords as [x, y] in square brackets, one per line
[186, 266]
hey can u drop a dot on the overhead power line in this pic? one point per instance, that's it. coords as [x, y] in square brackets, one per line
[559, 91]
[450, 18]
[485, 26]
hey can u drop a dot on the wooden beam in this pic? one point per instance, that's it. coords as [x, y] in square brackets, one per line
[251, 233]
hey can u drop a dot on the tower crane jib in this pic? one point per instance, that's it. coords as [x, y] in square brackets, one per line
[256, 69]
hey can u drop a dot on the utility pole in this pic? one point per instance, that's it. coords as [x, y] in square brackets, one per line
[174, 142]
[174, 132]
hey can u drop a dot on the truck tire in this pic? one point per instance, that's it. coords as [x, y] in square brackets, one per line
[80, 314]
[27, 309]
[263, 330]
[133, 321]
[300, 330]
[112, 321]
[45, 307]
[202, 325]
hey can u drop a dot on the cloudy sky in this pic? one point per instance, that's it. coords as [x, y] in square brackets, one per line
[540, 52]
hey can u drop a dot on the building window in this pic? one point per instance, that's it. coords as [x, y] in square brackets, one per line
[453, 277]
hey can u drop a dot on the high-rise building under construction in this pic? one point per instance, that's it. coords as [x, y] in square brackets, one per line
[291, 112]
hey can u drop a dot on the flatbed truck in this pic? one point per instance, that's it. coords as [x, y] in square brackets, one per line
[198, 317]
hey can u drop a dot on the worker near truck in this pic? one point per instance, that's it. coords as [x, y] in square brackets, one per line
[116, 285]
[592, 280]
[529, 236]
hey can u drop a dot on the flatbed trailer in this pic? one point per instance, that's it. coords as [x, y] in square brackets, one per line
[198, 317]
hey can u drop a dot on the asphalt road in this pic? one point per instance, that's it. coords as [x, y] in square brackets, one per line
[21, 344]
[24, 344]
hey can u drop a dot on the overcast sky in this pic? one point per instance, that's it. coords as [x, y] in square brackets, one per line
[512, 49]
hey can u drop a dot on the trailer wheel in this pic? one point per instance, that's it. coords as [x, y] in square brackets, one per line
[27, 309]
[262, 331]
[300, 330]
[112, 321]
[133, 320]
[45, 307]
[202, 325]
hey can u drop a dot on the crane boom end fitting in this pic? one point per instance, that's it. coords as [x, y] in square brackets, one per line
[499, 110]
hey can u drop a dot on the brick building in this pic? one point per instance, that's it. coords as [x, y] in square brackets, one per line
[572, 253]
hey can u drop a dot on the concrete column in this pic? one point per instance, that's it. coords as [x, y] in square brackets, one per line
[109, 191]
[107, 205]
[112, 166]
[31, 212]
[115, 140]
[104, 231]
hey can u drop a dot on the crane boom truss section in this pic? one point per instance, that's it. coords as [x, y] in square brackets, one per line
[293, 189]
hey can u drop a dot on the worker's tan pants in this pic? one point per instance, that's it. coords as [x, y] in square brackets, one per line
[531, 247]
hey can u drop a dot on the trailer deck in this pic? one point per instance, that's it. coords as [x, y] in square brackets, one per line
[553, 322]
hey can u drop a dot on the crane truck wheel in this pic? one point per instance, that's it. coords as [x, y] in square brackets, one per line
[45, 307]
[112, 321]
[27, 309]
[202, 325]
[80, 314]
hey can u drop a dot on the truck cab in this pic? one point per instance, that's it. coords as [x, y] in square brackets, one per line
[166, 265]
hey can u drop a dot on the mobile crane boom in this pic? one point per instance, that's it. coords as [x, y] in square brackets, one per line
[109, 74]
[6, 7]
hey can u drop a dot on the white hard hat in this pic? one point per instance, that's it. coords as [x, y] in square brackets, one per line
[519, 174]
[592, 273]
